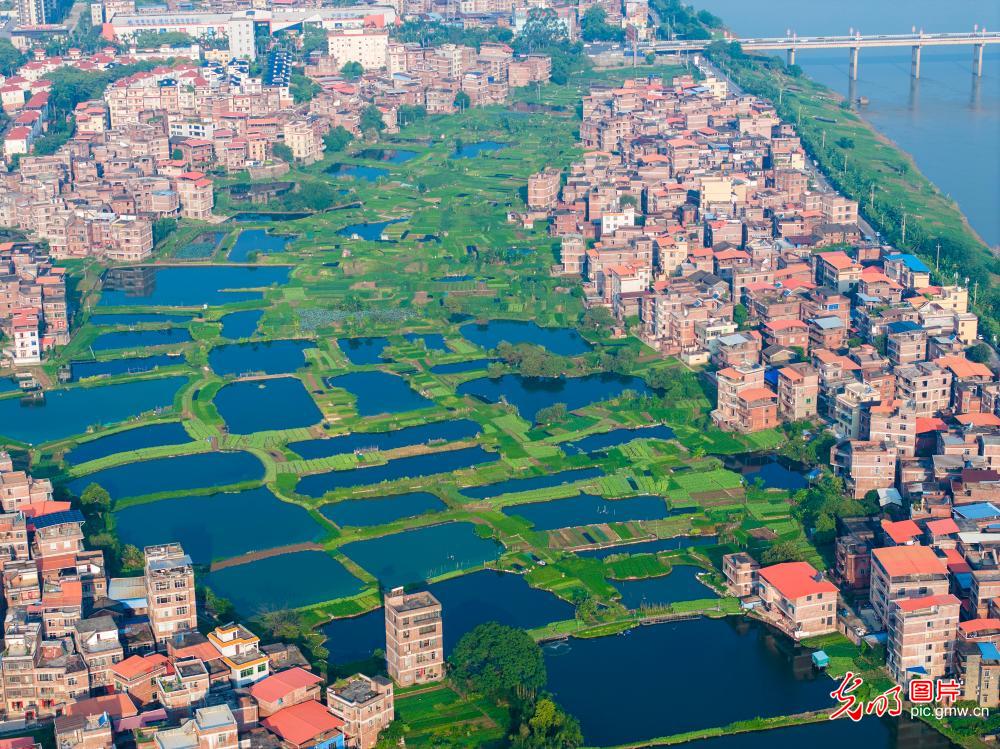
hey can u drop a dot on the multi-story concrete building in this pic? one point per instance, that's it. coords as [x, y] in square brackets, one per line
[543, 189]
[413, 637]
[798, 599]
[366, 705]
[902, 572]
[740, 570]
[798, 392]
[170, 591]
[367, 46]
[925, 387]
[855, 542]
[240, 651]
[865, 466]
[922, 634]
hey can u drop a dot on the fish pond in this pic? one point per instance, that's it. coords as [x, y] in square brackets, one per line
[588, 509]
[137, 318]
[373, 231]
[390, 155]
[181, 473]
[535, 482]
[417, 555]
[237, 325]
[286, 581]
[192, 286]
[81, 370]
[432, 341]
[439, 431]
[531, 394]
[66, 412]
[381, 510]
[260, 357]
[217, 526]
[357, 171]
[471, 150]
[250, 406]
[379, 392]
[680, 584]
[363, 351]
[468, 600]
[561, 341]
[154, 435]
[416, 466]
[257, 240]
[783, 680]
[130, 339]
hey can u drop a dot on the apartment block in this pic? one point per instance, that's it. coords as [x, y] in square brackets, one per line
[922, 634]
[170, 591]
[366, 705]
[798, 392]
[740, 570]
[413, 637]
[904, 572]
[799, 600]
[925, 387]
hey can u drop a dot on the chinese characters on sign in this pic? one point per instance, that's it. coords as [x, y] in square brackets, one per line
[890, 702]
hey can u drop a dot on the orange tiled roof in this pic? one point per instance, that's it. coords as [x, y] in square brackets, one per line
[902, 561]
[795, 580]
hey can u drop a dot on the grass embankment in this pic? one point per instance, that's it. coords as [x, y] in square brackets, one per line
[864, 164]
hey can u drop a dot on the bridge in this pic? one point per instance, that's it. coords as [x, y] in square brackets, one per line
[852, 42]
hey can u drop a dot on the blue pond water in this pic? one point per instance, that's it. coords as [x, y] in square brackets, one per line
[390, 155]
[562, 341]
[597, 442]
[470, 600]
[535, 482]
[71, 411]
[237, 325]
[471, 150]
[381, 510]
[154, 435]
[249, 217]
[259, 357]
[453, 279]
[460, 367]
[196, 286]
[257, 240]
[363, 350]
[81, 370]
[650, 547]
[250, 406]
[7, 384]
[416, 466]
[414, 556]
[448, 431]
[354, 171]
[783, 680]
[588, 509]
[432, 341]
[380, 392]
[531, 394]
[370, 231]
[183, 473]
[282, 582]
[776, 476]
[217, 526]
[130, 339]
[137, 318]
[680, 585]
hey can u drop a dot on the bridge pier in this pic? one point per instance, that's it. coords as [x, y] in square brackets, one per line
[791, 56]
[915, 67]
[977, 60]
[854, 63]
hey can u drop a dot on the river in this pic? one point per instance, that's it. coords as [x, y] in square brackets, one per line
[949, 120]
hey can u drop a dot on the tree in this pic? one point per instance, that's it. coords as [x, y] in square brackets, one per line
[352, 70]
[783, 551]
[371, 120]
[547, 727]
[597, 318]
[162, 228]
[594, 26]
[10, 58]
[95, 498]
[408, 114]
[462, 101]
[650, 58]
[552, 414]
[283, 152]
[740, 314]
[132, 559]
[177, 154]
[980, 354]
[313, 40]
[302, 88]
[337, 139]
[845, 143]
[543, 31]
[497, 660]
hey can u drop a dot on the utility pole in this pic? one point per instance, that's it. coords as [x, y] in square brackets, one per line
[822, 146]
[937, 260]
[975, 292]
[903, 229]
[871, 197]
